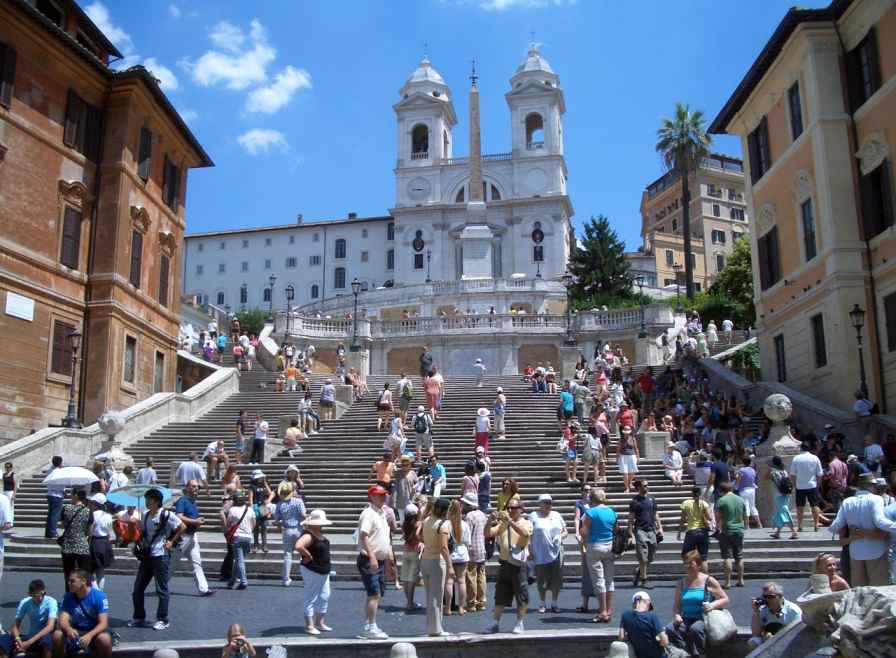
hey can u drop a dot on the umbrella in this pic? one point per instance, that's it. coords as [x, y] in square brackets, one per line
[132, 496]
[70, 476]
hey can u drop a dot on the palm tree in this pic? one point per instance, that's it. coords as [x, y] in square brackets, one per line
[683, 143]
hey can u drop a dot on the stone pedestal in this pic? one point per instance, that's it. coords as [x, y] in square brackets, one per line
[476, 241]
[652, 445]
[360, 361]
[780, 443]
[569, 355]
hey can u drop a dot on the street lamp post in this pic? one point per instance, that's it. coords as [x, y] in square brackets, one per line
[290, 295]
[356, 290]
[569, 280]
[857, 316]
[677, 268]
[639, 281]
[71, 417]
[428, 259]
[272, 279]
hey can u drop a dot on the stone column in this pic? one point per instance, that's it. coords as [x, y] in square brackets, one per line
[360, 361]
[780, 443]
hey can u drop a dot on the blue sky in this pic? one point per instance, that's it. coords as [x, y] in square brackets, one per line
[293, 100]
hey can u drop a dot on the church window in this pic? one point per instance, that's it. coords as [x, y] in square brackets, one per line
[315, 291]
[340, 248]
[390, 259]
[538, 253]
[496, 195]
[265, 295]
[365, 256]
[363, 232]
[418, 261]
[220, 299]
[339, 278]
[390, 231]
[534, 132]
[420, 142]
[460, 196]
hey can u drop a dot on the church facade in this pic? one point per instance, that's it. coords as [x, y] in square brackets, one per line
[492, 217]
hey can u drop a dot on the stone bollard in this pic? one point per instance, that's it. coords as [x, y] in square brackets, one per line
[652, 445]
[780, 443]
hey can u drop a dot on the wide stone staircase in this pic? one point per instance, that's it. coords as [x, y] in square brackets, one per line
[335, 464]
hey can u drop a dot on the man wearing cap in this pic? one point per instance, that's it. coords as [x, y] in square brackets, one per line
[642, 629]
[475, 575]
[645, 528]
[373, 550]
[863, 514]
[188, 513]
[423, 430]
[512, 533]
[289, 514]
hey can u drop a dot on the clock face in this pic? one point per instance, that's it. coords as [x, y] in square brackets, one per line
[419, 189]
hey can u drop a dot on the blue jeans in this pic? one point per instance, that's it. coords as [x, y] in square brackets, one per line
[54, 513]
[313, 415]
[241, 546]
[158, 568]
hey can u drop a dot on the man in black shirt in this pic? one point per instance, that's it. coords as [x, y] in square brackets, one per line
[644, 528]
[719, 474]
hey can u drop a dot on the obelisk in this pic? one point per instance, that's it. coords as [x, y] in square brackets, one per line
[476, 238]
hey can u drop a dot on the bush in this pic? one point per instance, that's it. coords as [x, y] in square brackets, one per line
[252, 320]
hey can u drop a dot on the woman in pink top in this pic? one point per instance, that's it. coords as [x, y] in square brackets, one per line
[432, 389]
[471, 479]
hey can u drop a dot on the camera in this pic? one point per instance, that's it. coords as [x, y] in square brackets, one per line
[759, 601]
[240, 643]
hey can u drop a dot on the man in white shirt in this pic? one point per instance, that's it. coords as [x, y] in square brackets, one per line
[403, 401]
[374, 546]
[805, 469]
[727, 329]
[863, 514]
[147, 474]
[863, 405]
[214, 456]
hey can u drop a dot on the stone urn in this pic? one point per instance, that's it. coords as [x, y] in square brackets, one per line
[778, 409]
[112, 422]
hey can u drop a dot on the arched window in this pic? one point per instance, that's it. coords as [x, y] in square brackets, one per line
[460, 195]
[315, 291]
[420, 142]
[339, 278]
[496, 195]
[220, 299]
[340, 248]
[534, 132]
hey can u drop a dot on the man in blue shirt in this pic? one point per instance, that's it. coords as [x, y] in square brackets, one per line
[187, 511]
[83, 619]
[642, 628]
[32, 632]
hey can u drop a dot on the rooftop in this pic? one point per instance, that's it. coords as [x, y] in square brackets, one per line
[717, 161]
[284, 227]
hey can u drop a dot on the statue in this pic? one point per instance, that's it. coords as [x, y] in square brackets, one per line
[866, 622]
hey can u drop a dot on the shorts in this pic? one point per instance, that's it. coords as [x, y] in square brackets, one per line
[381, 407]
[240, 445]
[571, 454]
[645, 545]
[410, 566]
[566, 413]
[628, 464]
[697, 539]
[511, 584]
[374, 582]
[731, 546]
[6, 644]
[591, 458]
[404, 403]
[326, 404]
[482, 440]
[424, 441]
[806, 495]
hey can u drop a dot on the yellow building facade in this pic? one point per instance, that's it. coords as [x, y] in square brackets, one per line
[816, 114]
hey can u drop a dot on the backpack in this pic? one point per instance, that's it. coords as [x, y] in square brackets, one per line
[783, 483]
[421, 425]
[408, 391]
[452, 545]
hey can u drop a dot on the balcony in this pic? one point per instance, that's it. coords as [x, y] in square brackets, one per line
[420, 155]
[535, 146]
[492, 157]
[713, 192]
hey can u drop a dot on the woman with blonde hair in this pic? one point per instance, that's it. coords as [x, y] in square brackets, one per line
[238, 646]
[597, 530]
[826, 564]
[314, 548]
[231, 480]
[510, 490]
[460, 558]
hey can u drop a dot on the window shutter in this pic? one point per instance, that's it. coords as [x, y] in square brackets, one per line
[753, 150]
[175, 187]
[61, 355]
[764, 152]
[144, 156]
[774, 268]
[163, 280]
[7, 74]
[93, 130]
[74, 121]
[136, 257]
[71, 238]
[886, 195]
[166, 180]
[873, 58]
[890, 320]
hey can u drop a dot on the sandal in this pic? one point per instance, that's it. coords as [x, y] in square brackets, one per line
[582, 608]
[555, 609]
[541, 610]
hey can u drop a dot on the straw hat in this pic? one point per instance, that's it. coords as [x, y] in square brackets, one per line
[284, 491]
[316, 517]
[482, 411]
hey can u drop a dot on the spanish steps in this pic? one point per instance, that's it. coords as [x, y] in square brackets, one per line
[335, 464]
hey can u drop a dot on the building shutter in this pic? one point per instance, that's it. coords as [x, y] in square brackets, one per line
[136, 257]
[74, 121]
[166, 179]
[753, 153]
[144, 156]
[774, 257]
[873, 59]
[163, 280]
[71, 238]
[93, 131]
[890, 321]
[7, 73]
[61, 355]
[175, 187]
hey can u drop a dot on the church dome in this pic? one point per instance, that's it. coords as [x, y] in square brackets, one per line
[534, 62]
[426, 80]
[425, 73]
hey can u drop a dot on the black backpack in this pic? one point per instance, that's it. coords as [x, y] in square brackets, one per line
[783, 483]
[421, 426]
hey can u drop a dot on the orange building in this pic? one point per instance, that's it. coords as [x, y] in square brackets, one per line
[93, 167]
[816, 114]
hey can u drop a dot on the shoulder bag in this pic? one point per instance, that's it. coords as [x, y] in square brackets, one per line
[621, 540]
[515, 555]
[231, 530]
[719, 624]
[143, 547]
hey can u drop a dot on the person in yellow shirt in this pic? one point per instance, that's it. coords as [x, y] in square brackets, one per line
[696, 522]
[512, 533]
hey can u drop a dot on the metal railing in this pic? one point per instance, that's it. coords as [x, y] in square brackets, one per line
[491, 157]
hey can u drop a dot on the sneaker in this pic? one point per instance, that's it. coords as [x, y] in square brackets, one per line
[494, 628]
[210, 592]
[287, 582]
[311, 630]
[373, 632]
[160, 625]
[322, 626]
[315, 432]
[518, 629]
[137, 623]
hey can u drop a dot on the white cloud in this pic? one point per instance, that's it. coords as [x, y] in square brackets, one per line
[165, 76]
[174, 11]
[277, 95]
[261, 140]
[238, 68]
[100, 15]
[189, 115]
[502, 5]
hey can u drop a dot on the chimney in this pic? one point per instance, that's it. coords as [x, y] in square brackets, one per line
[353, 215]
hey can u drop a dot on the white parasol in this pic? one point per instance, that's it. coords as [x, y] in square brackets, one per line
[70, 476]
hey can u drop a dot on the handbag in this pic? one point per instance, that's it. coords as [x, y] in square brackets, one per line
[621, 540]
[142, 547]
[719, 624]
[231, 530]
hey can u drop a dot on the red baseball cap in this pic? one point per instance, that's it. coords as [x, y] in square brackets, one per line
[377, 490]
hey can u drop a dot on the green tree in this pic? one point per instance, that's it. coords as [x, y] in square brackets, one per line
[683, 142]
[735, 284]
[252, 320]
[599, 265]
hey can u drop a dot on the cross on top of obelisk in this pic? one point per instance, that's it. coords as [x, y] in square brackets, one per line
[473, 76]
